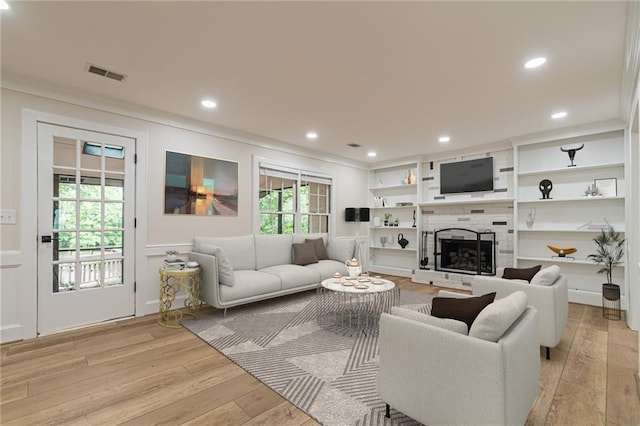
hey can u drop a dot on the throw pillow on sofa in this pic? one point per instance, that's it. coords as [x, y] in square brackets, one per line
[521, 273]
[304, 254]
[446, 323]
[465, 310]
[225, 270]
[496, 318]
[321, 250]
[546, 276]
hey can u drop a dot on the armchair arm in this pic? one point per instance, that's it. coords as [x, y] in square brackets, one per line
[551, 302]
[428, 373]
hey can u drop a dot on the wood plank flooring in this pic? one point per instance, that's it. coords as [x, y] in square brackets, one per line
[135, 372]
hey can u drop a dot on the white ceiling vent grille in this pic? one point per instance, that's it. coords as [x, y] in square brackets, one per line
[105, 72]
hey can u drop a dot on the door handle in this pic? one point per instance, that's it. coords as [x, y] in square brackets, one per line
[48, 239]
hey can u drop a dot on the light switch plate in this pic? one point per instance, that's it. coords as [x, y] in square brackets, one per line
[8, 217]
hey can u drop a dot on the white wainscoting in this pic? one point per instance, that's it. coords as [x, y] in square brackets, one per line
[154, 259]
[11, 328]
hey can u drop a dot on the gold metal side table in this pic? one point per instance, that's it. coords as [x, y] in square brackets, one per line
[171, 280]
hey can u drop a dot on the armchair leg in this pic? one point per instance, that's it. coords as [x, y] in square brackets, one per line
[548, 352]
[387, 412]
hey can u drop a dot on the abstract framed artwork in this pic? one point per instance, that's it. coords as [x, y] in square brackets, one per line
[200, 186]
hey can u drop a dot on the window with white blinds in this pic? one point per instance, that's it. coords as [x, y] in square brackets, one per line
[292, 200]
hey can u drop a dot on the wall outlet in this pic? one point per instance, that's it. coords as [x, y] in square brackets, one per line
[7, 217]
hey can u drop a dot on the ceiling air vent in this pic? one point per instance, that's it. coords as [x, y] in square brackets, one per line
[105, 72]
[354, 145]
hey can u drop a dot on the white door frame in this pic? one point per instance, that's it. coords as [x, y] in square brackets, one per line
[28, 216]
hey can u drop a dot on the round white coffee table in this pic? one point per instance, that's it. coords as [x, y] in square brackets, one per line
[354, 306]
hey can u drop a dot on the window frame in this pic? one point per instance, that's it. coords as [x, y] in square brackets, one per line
[302, 176]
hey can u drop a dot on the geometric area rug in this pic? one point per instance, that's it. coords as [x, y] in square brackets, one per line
[329, 376]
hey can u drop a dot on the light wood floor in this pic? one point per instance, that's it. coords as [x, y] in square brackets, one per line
[136, 372]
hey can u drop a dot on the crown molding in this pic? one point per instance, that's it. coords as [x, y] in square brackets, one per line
[129, 110]
[612, 125]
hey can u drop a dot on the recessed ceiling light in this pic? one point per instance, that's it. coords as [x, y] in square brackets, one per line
[444, 139]
[208, 103]
[4, 5]
[559, 115]
[312, 135]
[535, 62]
[371, 154]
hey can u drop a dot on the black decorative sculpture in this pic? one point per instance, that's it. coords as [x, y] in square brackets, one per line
[402, 241]
[414, 219]
[572, 153]
[545, 186]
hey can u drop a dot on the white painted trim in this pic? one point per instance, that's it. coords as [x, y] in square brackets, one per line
[570, 132]
[10, 333]
[10, 259]
[296, 168]
[29, 199]
[593, 298]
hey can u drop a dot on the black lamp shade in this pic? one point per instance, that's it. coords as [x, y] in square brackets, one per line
[356, 214]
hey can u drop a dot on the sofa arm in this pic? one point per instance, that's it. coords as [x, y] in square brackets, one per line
[209, 284]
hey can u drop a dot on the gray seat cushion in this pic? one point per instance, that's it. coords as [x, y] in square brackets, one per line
[327, 268]
[250, 283]
[293, 276]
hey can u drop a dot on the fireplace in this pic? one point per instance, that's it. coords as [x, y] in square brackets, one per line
[465, 251]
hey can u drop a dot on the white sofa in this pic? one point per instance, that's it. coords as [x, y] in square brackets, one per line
[438, 376]
[248, 268]
[551, 301]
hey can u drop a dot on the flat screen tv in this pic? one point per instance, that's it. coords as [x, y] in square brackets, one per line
[467, 176]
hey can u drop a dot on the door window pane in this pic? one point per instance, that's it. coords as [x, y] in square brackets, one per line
[113, 241]
[90, 275]
[113, 272]
[90, 215]
[90, 243]
[64, 152]
[113, 215]
[64, 277]
[90, 188]
[64, 215]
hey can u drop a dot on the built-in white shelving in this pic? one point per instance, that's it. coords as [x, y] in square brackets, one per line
[570, 218]
[389, 186]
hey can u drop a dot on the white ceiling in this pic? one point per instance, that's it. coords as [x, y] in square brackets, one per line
[389, 76]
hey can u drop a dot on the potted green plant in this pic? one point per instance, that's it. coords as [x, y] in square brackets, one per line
[610, 251]
[387, 216]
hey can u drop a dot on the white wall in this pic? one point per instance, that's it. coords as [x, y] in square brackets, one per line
[161, 232]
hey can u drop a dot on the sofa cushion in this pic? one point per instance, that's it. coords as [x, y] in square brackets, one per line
[521, 273]
[304, 254]
[293, 276]
[466, 309]
[496, 318]
[301, 238]
[321, 250]
[273, 250]
[446, 323]
[546, 276]
[341, 249]
[240, 250]
[328, 267]
[225, 269]
[249, 284]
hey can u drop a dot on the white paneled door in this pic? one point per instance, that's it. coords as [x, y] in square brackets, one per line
[85, 227]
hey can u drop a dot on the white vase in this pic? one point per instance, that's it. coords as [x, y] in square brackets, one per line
[531, 217]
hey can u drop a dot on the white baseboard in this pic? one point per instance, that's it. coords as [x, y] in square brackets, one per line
[10, 333]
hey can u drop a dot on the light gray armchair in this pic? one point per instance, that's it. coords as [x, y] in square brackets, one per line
[437, 376]
[551, 301]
